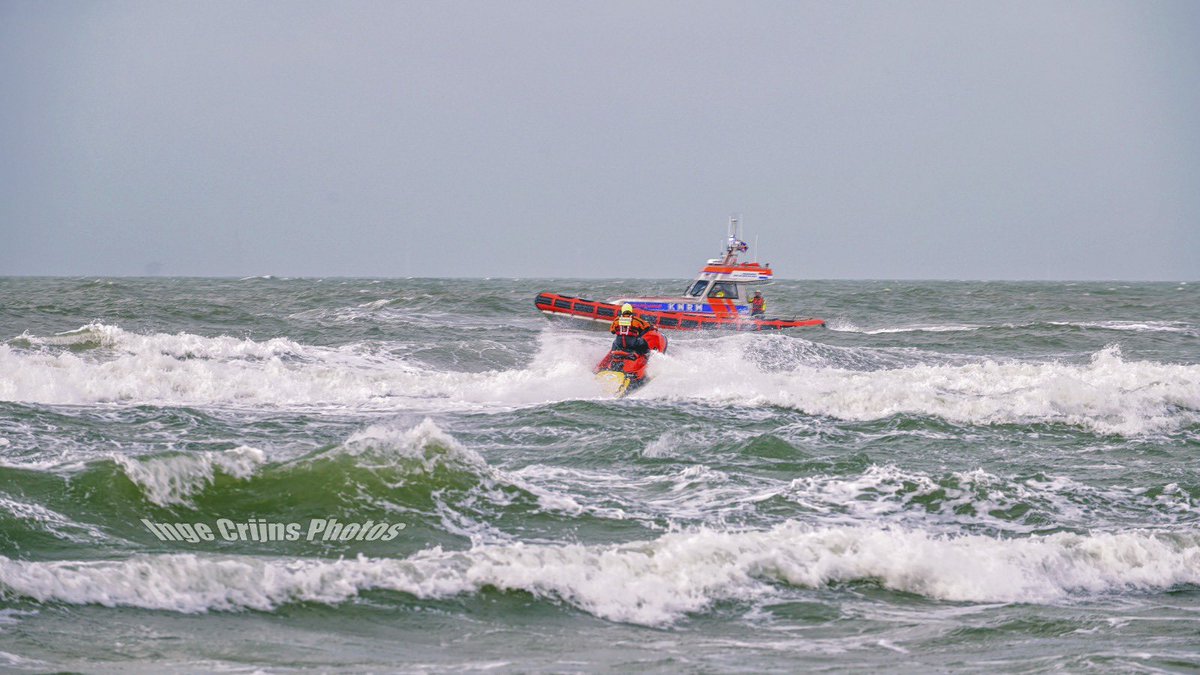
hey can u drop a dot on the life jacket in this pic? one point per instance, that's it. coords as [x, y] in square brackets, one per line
[758, 303]
[629, 325]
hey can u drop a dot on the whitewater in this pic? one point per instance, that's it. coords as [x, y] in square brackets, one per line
[960, 476]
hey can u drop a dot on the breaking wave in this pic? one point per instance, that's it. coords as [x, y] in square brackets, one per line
[419, 472]
[657, 582]
[1108, 394]
[172, 480]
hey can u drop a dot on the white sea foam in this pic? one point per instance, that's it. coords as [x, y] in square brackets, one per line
[188, 369]
[392, 311]
[1109, 394]
[663, 446]
[1135, 326]
[655, 582]
[977, 500]
[192, 369]
[175, 479]
[888, 492]
[848, 327]
[22, 662]
[50, 520]
[426, 448]
[425, 443]
[178, 345]
[560, 370]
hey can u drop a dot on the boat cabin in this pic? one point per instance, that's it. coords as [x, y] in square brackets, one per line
[721, 288]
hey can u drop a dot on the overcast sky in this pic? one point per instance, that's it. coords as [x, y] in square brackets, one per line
[956, 140]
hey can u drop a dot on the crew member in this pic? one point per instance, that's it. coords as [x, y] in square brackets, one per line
[758, 304]
[629, 330]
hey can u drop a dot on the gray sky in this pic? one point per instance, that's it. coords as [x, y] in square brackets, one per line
[961, 140]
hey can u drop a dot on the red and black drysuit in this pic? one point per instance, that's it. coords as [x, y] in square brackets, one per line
[630, 338]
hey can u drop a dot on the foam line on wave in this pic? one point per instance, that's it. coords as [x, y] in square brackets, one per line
[656, 582]
[398, 467]
[1106, 395]
[1147, 326]
[978, 498]
[50, 521]
[187, 369]
[425, 449]
[175, 479]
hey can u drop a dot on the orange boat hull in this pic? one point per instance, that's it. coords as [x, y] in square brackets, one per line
[565, 306]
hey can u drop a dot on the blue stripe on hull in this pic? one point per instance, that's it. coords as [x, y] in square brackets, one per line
[688, 307]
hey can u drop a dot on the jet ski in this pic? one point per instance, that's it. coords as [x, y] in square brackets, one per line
[623, 372]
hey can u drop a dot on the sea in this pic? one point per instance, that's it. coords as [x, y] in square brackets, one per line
[423, 475]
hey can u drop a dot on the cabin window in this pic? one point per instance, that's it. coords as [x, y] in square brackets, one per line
[697, 290]
[723, 289]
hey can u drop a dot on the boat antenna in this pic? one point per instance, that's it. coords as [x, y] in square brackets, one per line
[734, 245]
[731, 241]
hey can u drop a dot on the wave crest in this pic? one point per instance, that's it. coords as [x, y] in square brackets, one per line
[653, 583]
[1107, 395]
[173, 480]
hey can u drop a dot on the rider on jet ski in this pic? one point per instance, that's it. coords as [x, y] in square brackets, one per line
[630, 331]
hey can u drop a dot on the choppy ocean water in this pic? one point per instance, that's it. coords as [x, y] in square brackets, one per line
[952, 476]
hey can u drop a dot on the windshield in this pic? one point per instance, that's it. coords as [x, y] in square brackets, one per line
[697, 289]
[723, 289]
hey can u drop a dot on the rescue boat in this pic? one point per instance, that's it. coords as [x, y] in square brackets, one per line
[719, 297]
